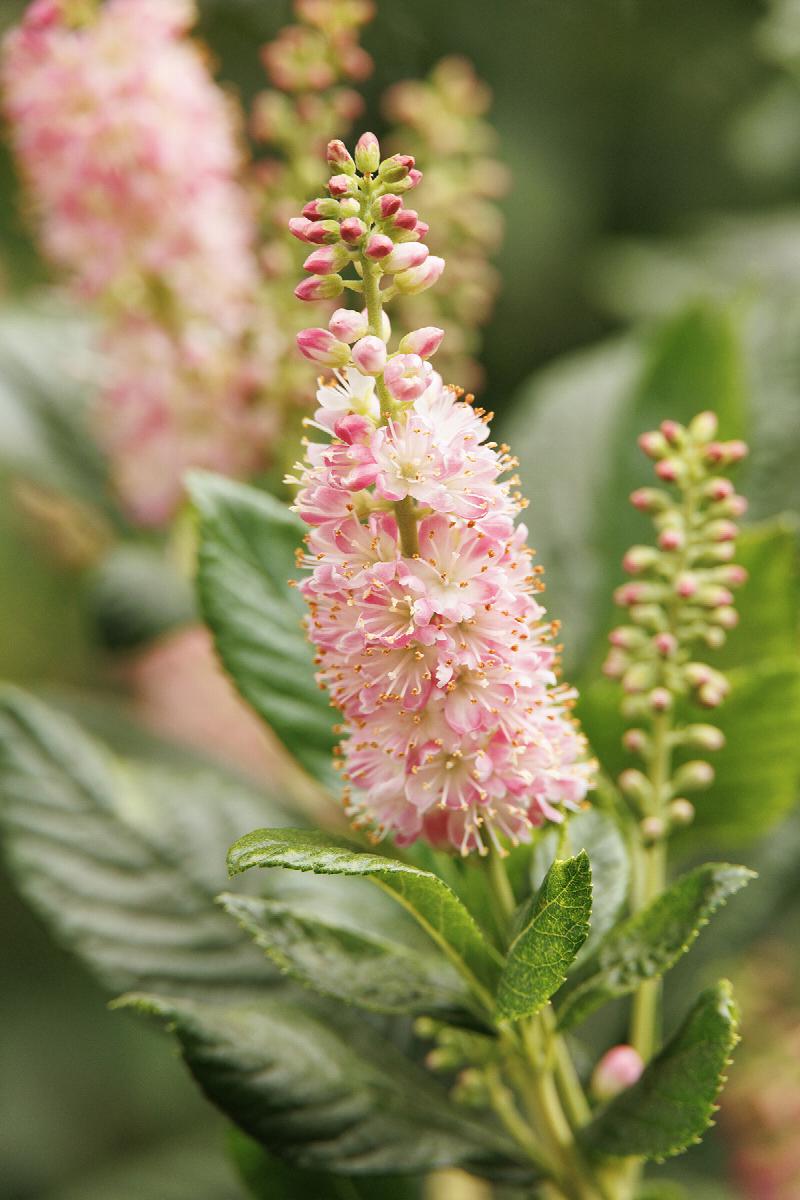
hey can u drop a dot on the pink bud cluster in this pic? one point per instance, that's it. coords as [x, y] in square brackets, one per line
[442, 120]
[422, 597]
[680, 597]
[131, 159]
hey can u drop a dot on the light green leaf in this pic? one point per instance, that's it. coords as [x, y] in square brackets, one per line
[122, 861]
[366, 969]
[246, 559]
[672, 1104]
[649, 943]
[544, 950]
[426, 897]
[595, 831]
[326, 1096]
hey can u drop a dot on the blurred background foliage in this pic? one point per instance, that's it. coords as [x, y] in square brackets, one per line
[655, 159]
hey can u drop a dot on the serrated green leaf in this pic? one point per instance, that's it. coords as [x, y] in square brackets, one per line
[323, 1096]
[649, 943]
[245, 561]
[756, 774]
[544, 950]
[115, 858]
[595, 831]
[672, 1104]
[426, 897]
[365, 969]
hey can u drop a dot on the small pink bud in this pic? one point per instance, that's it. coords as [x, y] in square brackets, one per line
[669, 469]
[418, 279]
[660, 700]
[698, 674]
[617, 1070]
[654, 444]
[693, 776]
[369, 355]
[638, 559]
[348, 325]
[726, 617]
[421, 230]
[327, 260]
[704, 426]
[339, 157]
[672, 431]
[737, 506]
[299, 227]
[424, 342]
[681, 811]
[615, 664]
[734, 575]
[719, 489]
[407, 376]
[634, 784]
[686, 585]
[722, 531]
[671, 539]
[665, 643]
[414, 177]
[406, 219]
[627, 637]
[629, 593]
[711, 695]
[726, 453]
[352, 229]
[349, 207]
[635, 741]
[649, 500]
[368, 154]
[321, 209]
[394, 170]
[378, 246]
[341, 185]
[322, 347]
[388, 205]
[405, 256]
[320, 287]
[652, 829]
[322, 232]
[703, 737]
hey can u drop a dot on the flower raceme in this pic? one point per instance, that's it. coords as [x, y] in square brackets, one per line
[423, 601]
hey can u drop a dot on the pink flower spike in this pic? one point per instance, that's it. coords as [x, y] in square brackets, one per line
[299, 227]
[322, 347]
[406, 256]
[418, 279]
[348, 325]
[407, 376]
[320, 287]
[369, 355]
[378, 246]
[424, 342]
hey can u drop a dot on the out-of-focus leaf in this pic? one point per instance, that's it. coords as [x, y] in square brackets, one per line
[123, 861]
[365, 969]
[324, 1095]
[575, 429]
[672, 1104]
[545, 948]
[595, 831]
[427, 898]
[246, 559]
[651, 941]
[135, 595]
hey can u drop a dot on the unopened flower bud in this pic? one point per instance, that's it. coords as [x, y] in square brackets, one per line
[339, 157]
[733, 575]
[674, 432]
[718, 488]
[369, 355]
[627, 637]
[721, 531]
[320, 287]
[327, 260]
[378, 246]
[650, 500]
[726, 617]
[703, 427]
[693, 776]
[405, 256]
[322, 233]
[617, 1070]
[726, 453]
[714, 595]
[348, 325]
[299, 227]
[652, 829]
[670, 470]
[711, 694]
[349, 207]
[703, 737]
[686, 585]
[342, 185]
[352, 229]
[424, 342]
[615, 664]
[322, 209]
[660, 700]
[671, 539]
[406, 219]
[714, 637]
[635, 741]
[395, 170]
[681, 811]
[639, 558]
[639, 677]
[322, 347]
[665, 643]
[735, 506]
[649, 616]
[654, 444]
[386, 206]
[368, 154]
[407, 376]
[635, 785]
[418, 279]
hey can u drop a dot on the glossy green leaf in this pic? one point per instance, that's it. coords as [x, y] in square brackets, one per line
[672, 1104]
[366, 969]
[426, 897]
[545, 948]
[116, 859]
[649, 943]
[595, 831]
[246, 558]
[324, 1095]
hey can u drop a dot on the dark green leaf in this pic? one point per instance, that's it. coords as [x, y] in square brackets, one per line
[118, 859]
[427, 897]
[672, 1104]
[323, 1096]
[366, 969]
[135, 595]
[544, 950]
[595, 831]
[246, 559]
[649, 943]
